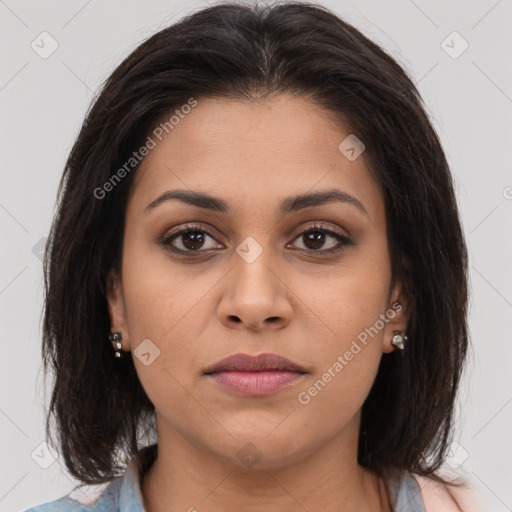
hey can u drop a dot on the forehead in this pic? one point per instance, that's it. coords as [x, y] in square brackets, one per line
[248, 150]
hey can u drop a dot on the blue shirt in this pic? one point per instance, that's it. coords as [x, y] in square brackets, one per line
[123, 494]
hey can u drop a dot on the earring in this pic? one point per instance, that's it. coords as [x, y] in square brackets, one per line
[115, 338]
[399, 339]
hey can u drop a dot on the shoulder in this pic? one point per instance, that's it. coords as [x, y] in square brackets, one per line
[59, 505]
[121, 493]
[99, 498]
[438, 497]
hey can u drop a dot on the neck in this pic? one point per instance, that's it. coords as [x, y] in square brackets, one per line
[189, 477]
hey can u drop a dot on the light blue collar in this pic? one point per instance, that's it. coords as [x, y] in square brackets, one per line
[405, 494]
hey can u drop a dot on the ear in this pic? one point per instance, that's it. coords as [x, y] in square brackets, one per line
[397, 314]
[117, 308]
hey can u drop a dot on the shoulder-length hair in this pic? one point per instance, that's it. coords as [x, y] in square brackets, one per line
[252, 52]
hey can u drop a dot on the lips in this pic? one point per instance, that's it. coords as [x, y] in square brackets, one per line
[255, 376]
[261, 362]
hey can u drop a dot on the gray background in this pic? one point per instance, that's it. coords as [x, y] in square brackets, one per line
[43, 102]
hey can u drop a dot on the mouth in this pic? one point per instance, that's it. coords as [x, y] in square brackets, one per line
[260, 375]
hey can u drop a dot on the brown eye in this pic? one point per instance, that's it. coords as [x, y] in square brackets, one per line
[193, 239]
[189, 240]
[316, 238]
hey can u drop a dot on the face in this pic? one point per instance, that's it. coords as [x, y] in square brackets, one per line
[256, 272]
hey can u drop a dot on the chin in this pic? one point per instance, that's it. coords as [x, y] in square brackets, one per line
[256, 450]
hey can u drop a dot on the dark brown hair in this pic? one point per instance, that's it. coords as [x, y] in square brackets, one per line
[253, 52]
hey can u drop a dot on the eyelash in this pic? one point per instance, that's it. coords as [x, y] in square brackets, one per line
[343, 240]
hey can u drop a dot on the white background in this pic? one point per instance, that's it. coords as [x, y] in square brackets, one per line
[43, 102]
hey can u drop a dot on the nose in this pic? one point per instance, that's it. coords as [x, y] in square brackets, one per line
[256, 296]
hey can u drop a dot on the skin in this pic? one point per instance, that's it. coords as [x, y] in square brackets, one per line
[291, 300]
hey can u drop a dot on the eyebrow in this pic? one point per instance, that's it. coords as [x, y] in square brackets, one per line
[288, 205]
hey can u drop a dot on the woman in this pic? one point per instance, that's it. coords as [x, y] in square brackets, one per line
[257, 257]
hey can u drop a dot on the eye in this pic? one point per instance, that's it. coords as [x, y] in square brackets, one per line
[189, 239]
[315, 237]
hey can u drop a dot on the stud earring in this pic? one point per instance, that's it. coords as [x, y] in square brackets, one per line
[116, 338]
[398, 339]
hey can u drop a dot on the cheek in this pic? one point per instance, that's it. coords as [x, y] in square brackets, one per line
[348, 301]
[348, 333]
[157, 294]
[164, 308]
[333, 400]
[348, 363]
